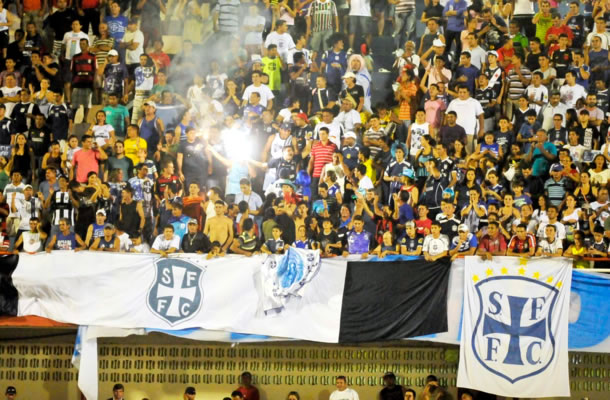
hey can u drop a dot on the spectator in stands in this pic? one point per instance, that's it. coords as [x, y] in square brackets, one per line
[65, 239]
[522, 243]
[342, 391]
[166, 243]
[31, 240]
[436, 245]
[219, 228]
[391, 390]
[194, 241]
[108, 241]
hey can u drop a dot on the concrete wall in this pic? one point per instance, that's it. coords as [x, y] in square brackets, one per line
[160, 371]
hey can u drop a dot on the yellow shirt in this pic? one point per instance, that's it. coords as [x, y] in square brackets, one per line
[370, 170]
[131, 148]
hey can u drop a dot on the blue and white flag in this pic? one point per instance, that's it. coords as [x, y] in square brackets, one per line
[286, 276]
[515, 326]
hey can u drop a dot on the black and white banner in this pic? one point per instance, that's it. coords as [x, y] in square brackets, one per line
[293, 296]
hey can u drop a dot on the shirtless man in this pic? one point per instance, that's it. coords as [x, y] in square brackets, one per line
[220, 228]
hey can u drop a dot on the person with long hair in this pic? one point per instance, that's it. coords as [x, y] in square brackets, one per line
[461, 192]
[570, 216]
[599, 171]
[585, 193]
[577, 251]
[540, 212]
[22, 157]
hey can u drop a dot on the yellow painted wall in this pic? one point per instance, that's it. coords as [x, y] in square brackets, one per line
[161, 371]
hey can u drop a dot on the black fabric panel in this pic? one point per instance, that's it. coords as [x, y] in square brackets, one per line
[394, 300]
[8, 294]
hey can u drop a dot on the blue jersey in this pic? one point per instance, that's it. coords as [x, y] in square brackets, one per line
[116, 26]
[179, 224]
[358, 243]
[65, 242]
[471, 242]
[334, 75]
[306, 244]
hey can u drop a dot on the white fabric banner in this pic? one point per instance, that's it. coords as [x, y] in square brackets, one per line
[515, 326]
[180, 292]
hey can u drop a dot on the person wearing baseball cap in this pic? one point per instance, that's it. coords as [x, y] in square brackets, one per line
[464, 244]
[352, 91]
[108, 242]
[194, 241]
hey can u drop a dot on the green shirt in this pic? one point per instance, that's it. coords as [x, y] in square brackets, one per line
[522, 40]
[115, 116]
[272, 67]
[162, 88]
[540, 164]
[543, 25]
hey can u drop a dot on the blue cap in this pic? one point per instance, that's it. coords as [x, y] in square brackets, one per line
[408, 172]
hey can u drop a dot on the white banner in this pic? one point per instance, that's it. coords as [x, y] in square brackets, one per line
[515, 326]
[185, 291]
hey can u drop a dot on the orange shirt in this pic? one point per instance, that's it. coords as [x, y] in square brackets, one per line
[410, 89]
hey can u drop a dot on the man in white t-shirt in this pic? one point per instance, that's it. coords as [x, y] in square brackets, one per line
[571, 91]
[364, 181]
[10, 93]
[469, 116]
[166, 243]
[343, 392]
[436, 245]
[133, 42]
[263, 90]
[536, 92]
[335, 129]
[71, 41]
[282, 39]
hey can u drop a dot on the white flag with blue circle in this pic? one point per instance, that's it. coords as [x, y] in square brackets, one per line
[515, 326]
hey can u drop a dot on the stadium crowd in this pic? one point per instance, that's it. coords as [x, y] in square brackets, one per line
[490, 136]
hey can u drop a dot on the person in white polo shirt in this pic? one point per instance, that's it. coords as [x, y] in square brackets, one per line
[343, 392]
[469, 116]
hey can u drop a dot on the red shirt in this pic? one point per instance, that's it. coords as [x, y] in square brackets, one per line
[522, 246]
[321, 155]
[423, 226]
[161, 59]
[505, 53]
[250, 393]
[86, 161]
[558, 31]
[493, 245]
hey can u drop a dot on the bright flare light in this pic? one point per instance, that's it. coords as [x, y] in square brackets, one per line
[237, 144]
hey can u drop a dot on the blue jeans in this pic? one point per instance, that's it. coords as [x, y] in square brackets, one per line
[405, 27]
